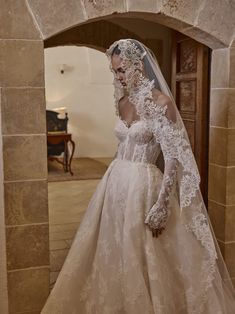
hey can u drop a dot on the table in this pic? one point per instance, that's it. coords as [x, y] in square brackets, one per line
[54, 138]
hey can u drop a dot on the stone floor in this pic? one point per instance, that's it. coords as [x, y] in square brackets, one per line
[67, 203]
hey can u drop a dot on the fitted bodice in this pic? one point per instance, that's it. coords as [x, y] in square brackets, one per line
[136, 142]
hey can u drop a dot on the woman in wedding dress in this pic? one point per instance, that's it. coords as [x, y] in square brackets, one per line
[145, 244]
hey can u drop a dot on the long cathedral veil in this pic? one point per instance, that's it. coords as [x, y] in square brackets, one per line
[202, 266]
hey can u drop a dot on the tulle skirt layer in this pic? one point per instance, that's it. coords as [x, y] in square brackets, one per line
[115, 266]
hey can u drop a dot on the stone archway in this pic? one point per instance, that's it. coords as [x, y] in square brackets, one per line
[25, 259]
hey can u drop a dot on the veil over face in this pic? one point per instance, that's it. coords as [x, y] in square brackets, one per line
[143, 74]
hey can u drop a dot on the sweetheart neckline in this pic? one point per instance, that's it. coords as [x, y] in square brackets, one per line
[132, 123]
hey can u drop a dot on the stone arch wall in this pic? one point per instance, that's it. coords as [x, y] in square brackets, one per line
[24, 29]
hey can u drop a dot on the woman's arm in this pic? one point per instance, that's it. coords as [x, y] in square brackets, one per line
[159, 213]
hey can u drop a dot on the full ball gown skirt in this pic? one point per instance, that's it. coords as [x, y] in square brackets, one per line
[115, 265]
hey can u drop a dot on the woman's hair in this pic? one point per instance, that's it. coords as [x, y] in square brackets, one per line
[116, 51]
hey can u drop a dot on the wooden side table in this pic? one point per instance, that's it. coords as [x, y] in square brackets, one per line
[54, 138]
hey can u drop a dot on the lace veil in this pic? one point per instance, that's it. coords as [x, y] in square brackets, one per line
[203, 267]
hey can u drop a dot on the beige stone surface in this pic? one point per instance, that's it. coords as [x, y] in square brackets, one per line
[204, 37]
[27, 246]
[28, 290]
[26, 202]
[230, 223]
[186, 11]
[218, 19]
[103, 7]
[230, 186]
[231, 147]
[218, 153]
[223, 221]
[11, 14]
[31, 312]
[57, 258]
[217, 183]
[218, 219]
[145, 6]
[222, 248]
[220, 68]
[24, 157]
[23, 111]
[222, 109]
[229, 249]
[231, 107]
[3, 268]
[53, 277]
[23, 63]
[232, 67]
[56, 15]
[233, 281]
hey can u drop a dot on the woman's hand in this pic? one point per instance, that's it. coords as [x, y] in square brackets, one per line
[157, 218]
[157, 232]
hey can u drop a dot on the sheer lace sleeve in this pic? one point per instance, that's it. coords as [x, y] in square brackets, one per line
[166, 134]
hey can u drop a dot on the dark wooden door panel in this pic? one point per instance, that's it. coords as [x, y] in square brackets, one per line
[190, 76]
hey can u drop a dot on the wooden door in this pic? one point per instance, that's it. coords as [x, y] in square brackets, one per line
[190, 88]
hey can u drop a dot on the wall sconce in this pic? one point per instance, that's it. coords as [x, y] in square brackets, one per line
[65, 67]
[62, 68]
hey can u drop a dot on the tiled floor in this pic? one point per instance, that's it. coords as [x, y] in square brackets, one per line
[67, 203]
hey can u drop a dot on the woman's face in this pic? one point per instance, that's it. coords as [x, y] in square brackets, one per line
[118, 69]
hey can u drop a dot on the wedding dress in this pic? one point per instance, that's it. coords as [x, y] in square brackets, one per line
[115, 265]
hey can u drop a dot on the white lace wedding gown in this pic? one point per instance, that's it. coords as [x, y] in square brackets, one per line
[115, 265]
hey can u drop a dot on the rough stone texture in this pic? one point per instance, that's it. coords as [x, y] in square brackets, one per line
[232, 67]
[186, 11]
[222, 184]
[229, 253]
[203, 37]
[230, 223]
[218, 153]
[231, 107]
[21, 63]
[24, 157]
[223, 219]
[231, 148]
[96, 8]
[230, 186]
[26, 202]
[23, 111]
[224, 153]
[220, 68]
[12, 14]
[217, 214]
[222, 109]
[28, 290]
[27, 246]
[55, 16]
[218, 19]
[140, 5]
[3, 269]
[217, 183]
[57, 258]
[223, 68]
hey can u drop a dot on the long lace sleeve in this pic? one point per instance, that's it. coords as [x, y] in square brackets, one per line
[159, 213]
[165, 133]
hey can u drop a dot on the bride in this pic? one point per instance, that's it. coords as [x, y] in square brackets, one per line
[145, 245]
